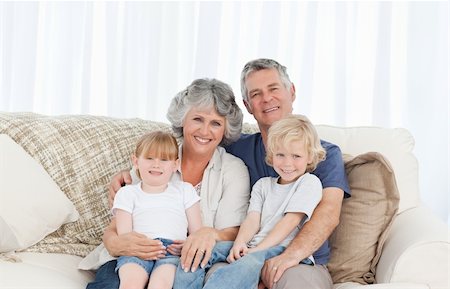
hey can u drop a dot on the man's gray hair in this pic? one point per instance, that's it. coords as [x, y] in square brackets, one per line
[207, 93]
[260, 64]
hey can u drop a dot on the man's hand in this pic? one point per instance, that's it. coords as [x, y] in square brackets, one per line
[274, 268]
[117, 181]
[198, 248]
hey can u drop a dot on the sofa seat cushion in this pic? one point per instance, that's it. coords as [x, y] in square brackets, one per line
[38, 270]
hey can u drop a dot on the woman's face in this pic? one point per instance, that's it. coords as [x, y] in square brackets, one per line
[203, 130]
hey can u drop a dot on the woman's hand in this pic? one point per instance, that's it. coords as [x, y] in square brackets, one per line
[175, 247]
[238, 250]
[197, 248]
[132, 244]
[117, 181]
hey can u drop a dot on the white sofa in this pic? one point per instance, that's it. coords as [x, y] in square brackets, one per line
[414, 254]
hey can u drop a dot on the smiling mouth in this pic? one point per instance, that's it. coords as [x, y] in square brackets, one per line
[155, 173]
[271, 109]
[202, 140]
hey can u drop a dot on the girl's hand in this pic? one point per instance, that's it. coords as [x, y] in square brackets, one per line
[197, 248]
[238, 250]
[175, 247]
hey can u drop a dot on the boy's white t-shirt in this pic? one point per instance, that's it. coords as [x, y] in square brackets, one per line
[273, 201]
[158, 215]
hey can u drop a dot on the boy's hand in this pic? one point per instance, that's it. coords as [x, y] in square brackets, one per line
[238, 250]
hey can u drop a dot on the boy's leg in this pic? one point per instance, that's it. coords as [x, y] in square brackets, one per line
[243, 273]
[194, 280]
[162, 277]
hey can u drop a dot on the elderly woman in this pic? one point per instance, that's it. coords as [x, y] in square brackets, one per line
[205, 115]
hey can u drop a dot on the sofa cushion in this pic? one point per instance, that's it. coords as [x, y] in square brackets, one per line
[80, 153]
[365, 219]
[31, 204]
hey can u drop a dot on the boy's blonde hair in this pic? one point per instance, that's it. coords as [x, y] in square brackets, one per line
[295, 128]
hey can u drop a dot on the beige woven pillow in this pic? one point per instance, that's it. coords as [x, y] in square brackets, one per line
[365, 219]
[80, 153]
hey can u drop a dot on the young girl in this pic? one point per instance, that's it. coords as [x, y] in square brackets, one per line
[278, 209]
[156, 207]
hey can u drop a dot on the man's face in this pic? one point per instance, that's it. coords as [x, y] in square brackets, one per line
[268, 99]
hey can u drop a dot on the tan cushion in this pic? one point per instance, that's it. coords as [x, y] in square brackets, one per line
[365, 219]
[81, 154]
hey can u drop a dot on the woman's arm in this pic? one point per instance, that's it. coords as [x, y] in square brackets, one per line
[131, 244]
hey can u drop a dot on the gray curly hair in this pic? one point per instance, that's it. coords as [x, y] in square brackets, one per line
[207, 93]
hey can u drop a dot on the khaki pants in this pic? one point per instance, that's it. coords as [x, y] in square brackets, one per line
[298, 277]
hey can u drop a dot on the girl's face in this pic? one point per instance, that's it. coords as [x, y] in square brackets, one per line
[290, 161]
[203, 130]
[154, 171]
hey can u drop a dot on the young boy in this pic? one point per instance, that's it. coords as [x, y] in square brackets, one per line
[278, 208]
[155, 207]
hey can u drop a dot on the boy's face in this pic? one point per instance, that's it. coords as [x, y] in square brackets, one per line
[154, 171]
[290, 161]
[268, 99]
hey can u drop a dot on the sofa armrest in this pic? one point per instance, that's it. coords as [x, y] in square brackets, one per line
[416, 250]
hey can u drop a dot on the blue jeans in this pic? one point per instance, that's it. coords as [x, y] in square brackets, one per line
[106, 276]
[243, 273]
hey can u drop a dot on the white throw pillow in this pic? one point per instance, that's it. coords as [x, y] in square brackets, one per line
[31, 204]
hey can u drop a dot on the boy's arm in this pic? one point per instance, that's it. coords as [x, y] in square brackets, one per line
[248, 229]
[281, 230]
[194, 218]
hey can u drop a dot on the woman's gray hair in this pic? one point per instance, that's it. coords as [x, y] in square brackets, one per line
[207, 93]
[260, 64]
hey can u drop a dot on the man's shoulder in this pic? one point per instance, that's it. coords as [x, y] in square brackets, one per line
[245, 142]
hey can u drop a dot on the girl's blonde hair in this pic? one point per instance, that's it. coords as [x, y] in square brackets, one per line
[157, 144]
[295, 128]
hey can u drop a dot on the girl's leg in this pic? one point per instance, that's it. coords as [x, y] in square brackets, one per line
[162, 277]
[132, 275]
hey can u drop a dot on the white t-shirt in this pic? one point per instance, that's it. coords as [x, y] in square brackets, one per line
[158, 215]
[273, 201]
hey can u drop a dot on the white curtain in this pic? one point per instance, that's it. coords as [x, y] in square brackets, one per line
[353, 63]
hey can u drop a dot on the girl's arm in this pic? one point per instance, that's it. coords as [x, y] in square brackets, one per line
[194, 218]
[281, 230]
[124, 222]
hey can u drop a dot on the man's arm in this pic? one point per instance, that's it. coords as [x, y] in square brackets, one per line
[312, 235]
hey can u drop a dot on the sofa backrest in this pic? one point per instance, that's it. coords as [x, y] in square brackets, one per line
[395, 144]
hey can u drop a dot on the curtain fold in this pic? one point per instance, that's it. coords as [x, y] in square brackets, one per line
[353, 63]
